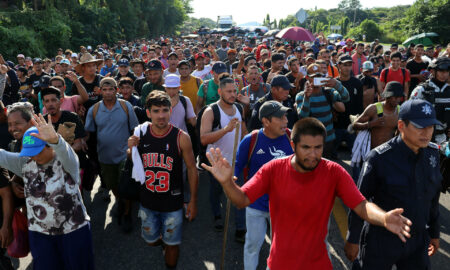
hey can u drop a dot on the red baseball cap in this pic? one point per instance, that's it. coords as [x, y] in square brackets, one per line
[199, 55]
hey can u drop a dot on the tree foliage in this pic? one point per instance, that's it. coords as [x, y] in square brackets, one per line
[394, 24]
[51, 24]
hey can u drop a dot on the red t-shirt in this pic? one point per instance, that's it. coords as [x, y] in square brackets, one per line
[395, 76]
[300, 205]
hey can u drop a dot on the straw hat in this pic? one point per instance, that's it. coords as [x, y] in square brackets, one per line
[85, 59]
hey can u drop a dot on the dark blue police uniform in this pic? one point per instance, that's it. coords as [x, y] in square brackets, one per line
[394, 176]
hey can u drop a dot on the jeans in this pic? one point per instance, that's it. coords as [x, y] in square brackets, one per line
[165, 225]
[215, 195]
[73, 250]
[257, 226]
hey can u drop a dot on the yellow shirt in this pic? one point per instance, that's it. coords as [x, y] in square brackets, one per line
[190, 88]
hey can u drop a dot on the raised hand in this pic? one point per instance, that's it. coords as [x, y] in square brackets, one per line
[398, 224]
[46, 131]
[72, 76]
[220, 168]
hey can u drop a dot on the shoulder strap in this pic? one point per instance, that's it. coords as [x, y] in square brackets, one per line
[205, 89]
[288, 134]
[125, 108]
[404, 76]
[216, 113]
[197, 79]
[240, 109]
[264, 87]
[386, 71]
[184, 103]
[253, 140]
[95, 110]
[332, 70]
[379, 107]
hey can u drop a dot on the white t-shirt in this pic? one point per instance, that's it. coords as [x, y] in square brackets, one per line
[167, 72]
[204, 74]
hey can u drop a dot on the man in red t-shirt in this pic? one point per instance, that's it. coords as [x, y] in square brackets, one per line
[395, 73]
[302, 188]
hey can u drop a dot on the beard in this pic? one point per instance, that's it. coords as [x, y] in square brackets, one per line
[307, 168]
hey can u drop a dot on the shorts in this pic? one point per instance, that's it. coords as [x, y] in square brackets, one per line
[111, 174]
[161, 225]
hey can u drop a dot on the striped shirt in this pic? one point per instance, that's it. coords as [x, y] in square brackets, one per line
[317, 106]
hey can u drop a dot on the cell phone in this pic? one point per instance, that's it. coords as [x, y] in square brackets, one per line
[318, 81]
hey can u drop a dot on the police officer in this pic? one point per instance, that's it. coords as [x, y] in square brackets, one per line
[401, 173]
[437, 91]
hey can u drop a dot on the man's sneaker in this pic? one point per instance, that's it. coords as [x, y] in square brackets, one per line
[239, 236]
[127, 224]
[104, 193]
[218, 224]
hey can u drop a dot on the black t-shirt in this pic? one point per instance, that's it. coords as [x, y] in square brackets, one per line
[67, 116]
[265, 74]
[415, 68]
[354, 106]
[34, 81]
[93, 98]
[4, 182]
[5, 136]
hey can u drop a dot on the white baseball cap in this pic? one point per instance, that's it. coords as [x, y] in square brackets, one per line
[74, 55]
[172, 81]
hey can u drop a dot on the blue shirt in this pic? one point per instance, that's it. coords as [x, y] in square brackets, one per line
[105, 70]
[265, 150]
[112, 131]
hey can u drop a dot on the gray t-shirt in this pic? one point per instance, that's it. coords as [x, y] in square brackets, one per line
[177, 118]
[255, 95]
[112, 131]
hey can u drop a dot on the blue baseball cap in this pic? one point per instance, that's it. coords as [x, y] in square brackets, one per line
[31, 146]
[281, 80]
[219, 67]
[419, 112]
[123, 63]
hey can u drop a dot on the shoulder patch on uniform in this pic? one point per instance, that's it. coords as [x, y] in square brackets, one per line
[433, 145]
[383, 148]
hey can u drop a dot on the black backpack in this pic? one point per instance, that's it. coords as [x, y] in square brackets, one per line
[216, 124]
[191, 129]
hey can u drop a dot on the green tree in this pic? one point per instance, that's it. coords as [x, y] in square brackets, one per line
[429, 16]
[368, 28]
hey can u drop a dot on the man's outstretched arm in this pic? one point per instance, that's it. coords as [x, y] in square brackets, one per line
[223, 173]
[393, 221]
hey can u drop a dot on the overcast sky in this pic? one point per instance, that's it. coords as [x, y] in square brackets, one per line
[244, 11]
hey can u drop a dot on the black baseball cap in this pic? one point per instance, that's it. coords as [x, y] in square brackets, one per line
[272, 108]
[172, 54]
[154, 65]
[44, 82]
[393, 89]
[37, 60]
[419, 112]
[281, 80]
[344, 59]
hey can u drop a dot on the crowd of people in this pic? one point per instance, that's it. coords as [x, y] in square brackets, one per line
[157, 113]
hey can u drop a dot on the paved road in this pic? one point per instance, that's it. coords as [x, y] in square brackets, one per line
[201, 247]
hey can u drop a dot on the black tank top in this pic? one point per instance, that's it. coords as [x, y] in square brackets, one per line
[163, 166]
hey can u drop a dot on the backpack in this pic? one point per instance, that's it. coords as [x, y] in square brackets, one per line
[253, 141]
[386, 71]
[191, 129]
[216, 124]
[122, 104]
